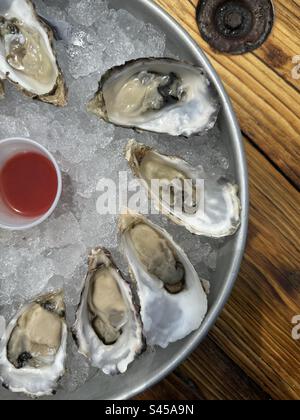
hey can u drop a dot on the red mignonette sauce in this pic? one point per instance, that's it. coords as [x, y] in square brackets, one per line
[29, 184]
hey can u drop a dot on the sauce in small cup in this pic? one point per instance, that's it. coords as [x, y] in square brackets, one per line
[30, 184]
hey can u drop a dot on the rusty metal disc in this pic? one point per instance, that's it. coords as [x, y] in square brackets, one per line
[235, 26]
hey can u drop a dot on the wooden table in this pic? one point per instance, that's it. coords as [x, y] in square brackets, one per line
[250, 354]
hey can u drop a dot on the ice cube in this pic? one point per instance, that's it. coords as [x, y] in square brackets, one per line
[87, 12]
[77, 369]
[2, 326]
[62, 231]
[66, 260]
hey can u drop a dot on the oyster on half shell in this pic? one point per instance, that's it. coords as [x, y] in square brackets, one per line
[27, 58]
[33, 347]
[205, 206]
[172, 298]
[161, 95]
[108, 329]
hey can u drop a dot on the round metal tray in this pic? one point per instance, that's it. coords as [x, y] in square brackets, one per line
[154, 366]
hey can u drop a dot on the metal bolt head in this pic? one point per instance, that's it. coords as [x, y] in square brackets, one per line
[235, 26]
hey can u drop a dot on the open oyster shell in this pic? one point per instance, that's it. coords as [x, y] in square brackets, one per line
[27, 58]
[204, 206]
[33, 347]
[2, 91]
[108, 328]
[172, 299]
[161, 95]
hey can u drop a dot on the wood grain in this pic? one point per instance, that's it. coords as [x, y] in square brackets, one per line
[209, 374]
[250, 353]
[255, 328]
[266, 103]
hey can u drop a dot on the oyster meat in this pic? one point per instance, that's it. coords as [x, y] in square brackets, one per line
[205, 206]
[26, 54]
[172, 299]
[108, 328]
[33, 347]
[159, 95]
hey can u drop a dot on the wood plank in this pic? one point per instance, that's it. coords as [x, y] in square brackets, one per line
[172, 388]
[283, 44]
[207, 375]
[267, 105]
[255, 328]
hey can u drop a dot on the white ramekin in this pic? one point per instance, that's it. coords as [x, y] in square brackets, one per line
[8, 148]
